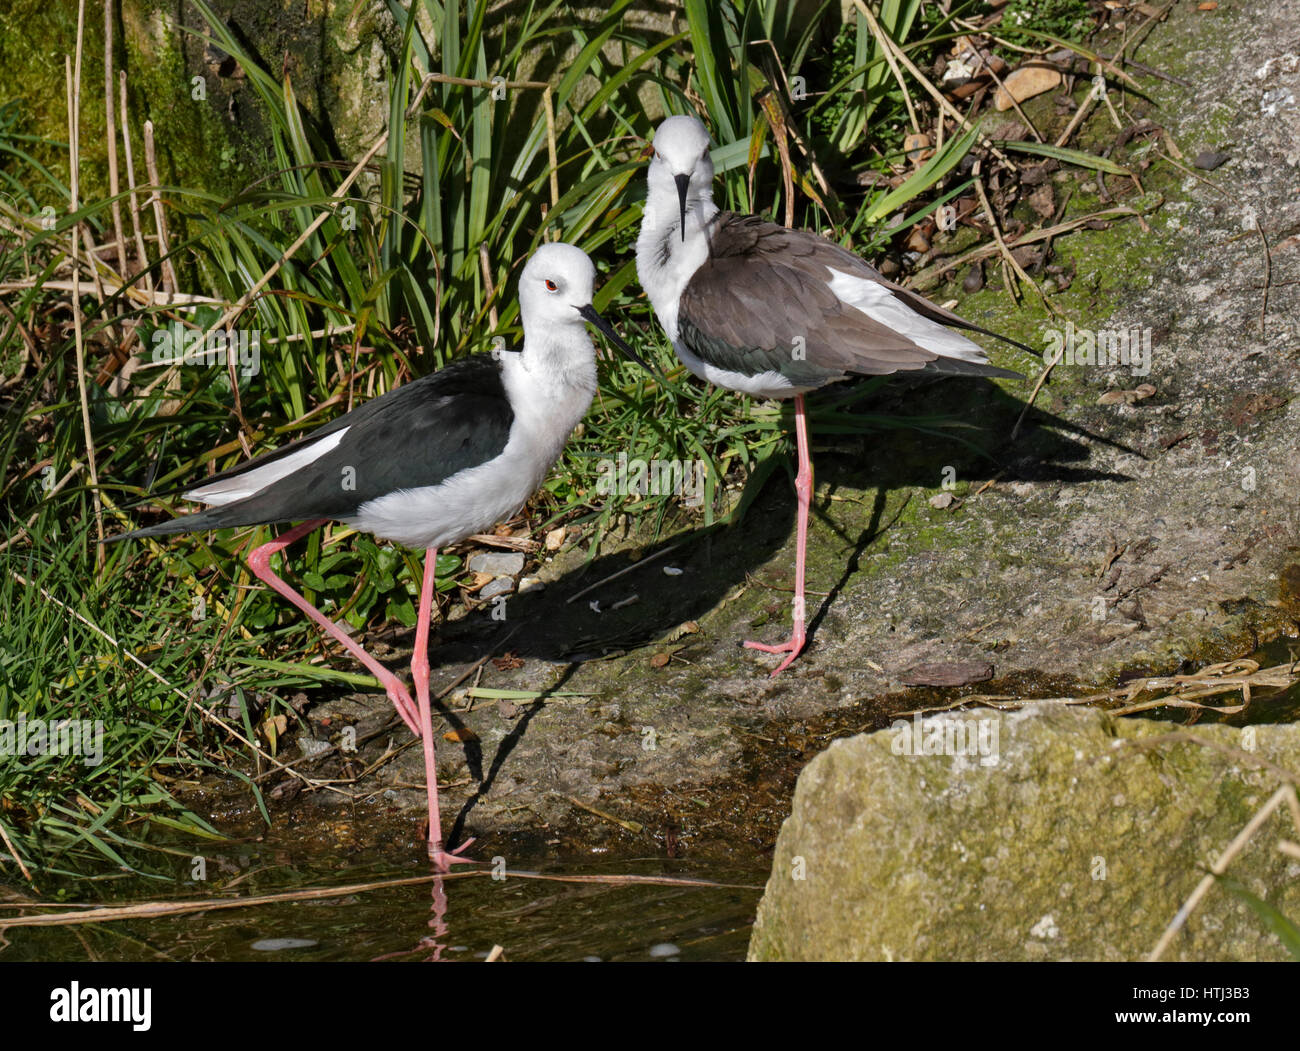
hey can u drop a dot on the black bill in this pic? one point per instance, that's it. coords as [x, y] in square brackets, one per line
[683, 187]
[589, 313]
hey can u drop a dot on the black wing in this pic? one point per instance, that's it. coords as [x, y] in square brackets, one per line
[416, 435]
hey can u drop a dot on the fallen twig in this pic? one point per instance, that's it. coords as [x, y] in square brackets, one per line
[635, 827]
[153, 909]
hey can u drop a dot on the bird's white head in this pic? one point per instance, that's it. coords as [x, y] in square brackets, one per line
[681, 169]
[555, 294]
[557, 282]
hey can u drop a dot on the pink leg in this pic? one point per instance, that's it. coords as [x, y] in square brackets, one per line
[260, 562]
[442, 860]
[803, 487]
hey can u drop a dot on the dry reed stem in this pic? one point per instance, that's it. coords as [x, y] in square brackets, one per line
[1285, 794]
[152, 909]
[110, 134]
[130, 182]
[72, 75]
[170, 283]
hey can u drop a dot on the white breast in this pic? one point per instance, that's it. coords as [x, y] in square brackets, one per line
[547, 407]
[665, 263]
[770, 384]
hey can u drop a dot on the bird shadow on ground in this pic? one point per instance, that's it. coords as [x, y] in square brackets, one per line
[474, 758]
[566, 622]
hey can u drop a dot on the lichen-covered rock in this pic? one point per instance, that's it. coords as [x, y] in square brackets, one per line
[1054, 833]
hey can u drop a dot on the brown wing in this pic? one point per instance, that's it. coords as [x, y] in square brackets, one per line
[764, 287]
[761, 299]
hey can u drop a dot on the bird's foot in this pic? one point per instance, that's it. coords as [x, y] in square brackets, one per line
[443, 860]
[793, 646]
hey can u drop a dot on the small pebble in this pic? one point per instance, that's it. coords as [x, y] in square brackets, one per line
[1208, 160]
[500, 586]
[498, 563]
[664, 950]
[673, 571]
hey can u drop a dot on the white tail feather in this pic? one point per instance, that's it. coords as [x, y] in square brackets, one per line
[249, 483]
[881, 305]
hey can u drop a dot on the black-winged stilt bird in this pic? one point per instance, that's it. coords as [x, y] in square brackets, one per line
[428, 464]
[776, 313]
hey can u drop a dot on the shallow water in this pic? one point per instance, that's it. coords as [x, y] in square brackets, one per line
[462, 918]
[1266, 706]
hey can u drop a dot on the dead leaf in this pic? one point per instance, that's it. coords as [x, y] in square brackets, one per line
[659, 660]
[1025, 83]
[917, 147]
[1127, 397]
[949, 673]
[1011, 130]
[272, 728]
[461, 735]
[286, 789]
[1043, 201]
[686, 628]
[1028, 256]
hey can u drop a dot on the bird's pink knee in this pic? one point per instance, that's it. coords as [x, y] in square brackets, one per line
[420, 668]
[259, 560]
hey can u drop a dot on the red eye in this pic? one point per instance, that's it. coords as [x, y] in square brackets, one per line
[550, 286]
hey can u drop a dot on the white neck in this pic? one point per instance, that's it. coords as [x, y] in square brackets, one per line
[551, 382]
[665, 261]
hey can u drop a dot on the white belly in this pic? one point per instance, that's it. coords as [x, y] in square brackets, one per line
[770, 384]
[471, 501]
[475, 499]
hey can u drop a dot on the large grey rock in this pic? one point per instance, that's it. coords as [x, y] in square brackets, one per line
[1059, 839]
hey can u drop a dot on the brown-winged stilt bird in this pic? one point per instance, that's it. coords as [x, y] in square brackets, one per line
[428, 464]
[776, 313]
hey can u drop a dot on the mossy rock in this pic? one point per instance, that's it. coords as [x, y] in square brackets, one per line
[1078, 837]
